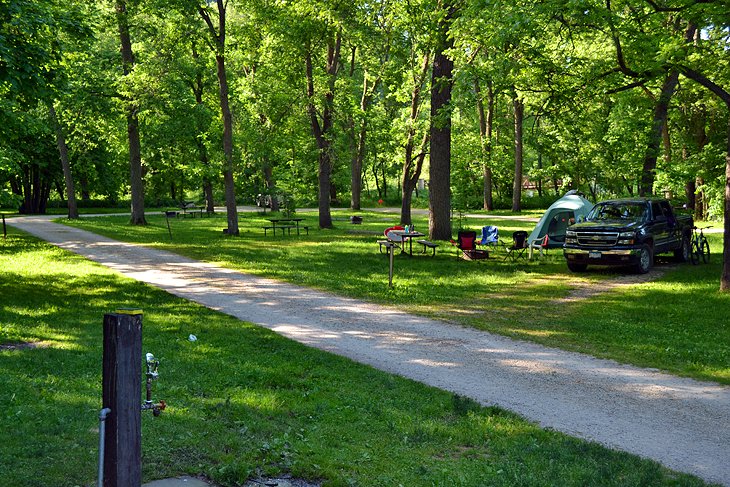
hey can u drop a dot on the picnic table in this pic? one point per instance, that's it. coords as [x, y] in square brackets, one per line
[285, 224]
[185, 209]
[406, 237]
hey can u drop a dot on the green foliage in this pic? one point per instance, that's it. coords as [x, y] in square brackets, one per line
[588, 114]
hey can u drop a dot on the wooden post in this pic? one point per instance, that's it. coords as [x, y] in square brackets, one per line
[167, 219]
[5, 232]
[121, 392]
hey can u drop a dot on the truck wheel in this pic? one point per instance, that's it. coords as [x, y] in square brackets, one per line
[646, 260]
[682, 254]
[577, 267]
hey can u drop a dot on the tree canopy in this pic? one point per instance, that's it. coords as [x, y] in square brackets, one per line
[331, 103]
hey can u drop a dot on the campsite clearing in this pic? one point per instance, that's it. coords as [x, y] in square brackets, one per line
[521, 300]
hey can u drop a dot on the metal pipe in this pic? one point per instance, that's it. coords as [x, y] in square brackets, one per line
[391, 248]
[102, 433]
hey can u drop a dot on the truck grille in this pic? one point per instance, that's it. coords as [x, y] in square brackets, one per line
[597, 239]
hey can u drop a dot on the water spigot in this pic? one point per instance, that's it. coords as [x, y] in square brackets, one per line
[152, 374]
[152, 365]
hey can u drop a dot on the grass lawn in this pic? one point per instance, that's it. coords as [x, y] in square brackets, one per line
[244, 401]
[677, 323]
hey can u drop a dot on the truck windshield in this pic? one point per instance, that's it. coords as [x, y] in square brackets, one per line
[618, 211]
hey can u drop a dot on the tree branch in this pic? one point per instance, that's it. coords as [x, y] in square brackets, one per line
[690, 73]
[626, 88]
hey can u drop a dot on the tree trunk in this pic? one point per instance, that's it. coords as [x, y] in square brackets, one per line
[377, 182]
[202, 150]
[230, 186]
[359, 157]
[321, 131]
[357, 175]
[135, 150]
[439, 221]
[725, 277]
[73, 211]
[699, 200]
[412, 165]
[84, 183]
[661, 110]
[219, 41]
[486, 123]
[519, 109]
[34, 187]
[411, 173]
[207, 184]
[667, 142]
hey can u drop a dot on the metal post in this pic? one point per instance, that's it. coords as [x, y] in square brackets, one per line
[390, 258]
[167, 219]
[121, 389]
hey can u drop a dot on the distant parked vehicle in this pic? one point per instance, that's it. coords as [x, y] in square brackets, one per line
[628, 232]
[266, 200]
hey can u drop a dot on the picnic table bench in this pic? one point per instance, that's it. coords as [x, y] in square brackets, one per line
[425, 243]
[384, 243]
[187, 208]
[428, 245]
[285, 224]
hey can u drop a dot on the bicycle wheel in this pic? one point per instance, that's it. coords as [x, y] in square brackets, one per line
[705, 251]
[694, 252]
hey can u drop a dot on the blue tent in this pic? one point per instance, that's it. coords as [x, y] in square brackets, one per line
[564, 212]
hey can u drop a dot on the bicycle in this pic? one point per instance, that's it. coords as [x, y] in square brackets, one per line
[699, 248]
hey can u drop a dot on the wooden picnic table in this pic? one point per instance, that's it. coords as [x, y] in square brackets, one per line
[407, 236]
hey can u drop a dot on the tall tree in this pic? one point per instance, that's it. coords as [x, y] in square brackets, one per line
[198, 86]
[519, 114]
[218, 45]
[486, 125]
[322, 131]
[412, 161]
[724, 95]
[73, 211]
[439, 220]
[135, 147]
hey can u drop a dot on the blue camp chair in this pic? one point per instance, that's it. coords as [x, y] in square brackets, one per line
[490, 236]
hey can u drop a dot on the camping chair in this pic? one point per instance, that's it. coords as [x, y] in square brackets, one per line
[541, 245]
[518, 247]
[490, 236]
[466, 241]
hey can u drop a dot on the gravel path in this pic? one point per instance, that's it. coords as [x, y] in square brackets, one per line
[682, 423]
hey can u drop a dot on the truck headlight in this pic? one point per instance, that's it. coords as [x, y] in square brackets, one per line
[626, 238]
[571, 237]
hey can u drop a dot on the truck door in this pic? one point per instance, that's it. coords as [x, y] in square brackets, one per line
[660, 228]
[674, 235]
